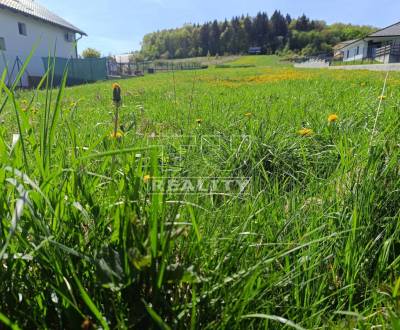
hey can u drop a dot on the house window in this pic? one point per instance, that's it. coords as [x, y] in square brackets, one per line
[22, 29]
[2, 44]
[69, 37]
[348, 53]
[358, 50]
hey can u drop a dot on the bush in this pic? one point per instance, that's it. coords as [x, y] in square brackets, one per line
[91, 53]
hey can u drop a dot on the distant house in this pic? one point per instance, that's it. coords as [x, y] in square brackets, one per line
[255, 51]
[337, 50]
[25, 24]
[382, 46]
[124, 58]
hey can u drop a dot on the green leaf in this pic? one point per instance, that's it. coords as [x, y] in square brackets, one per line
[157, 319]
[89, 303]
[6, 321]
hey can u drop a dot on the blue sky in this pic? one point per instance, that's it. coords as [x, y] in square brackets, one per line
[117, 26]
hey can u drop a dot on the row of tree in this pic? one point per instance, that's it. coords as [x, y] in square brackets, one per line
[274, 34]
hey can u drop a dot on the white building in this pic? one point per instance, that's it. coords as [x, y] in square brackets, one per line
[124, 58]
[25, 24]
[382, 46]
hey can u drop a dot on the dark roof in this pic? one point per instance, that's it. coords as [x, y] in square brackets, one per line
[390, 31]
[33, 9]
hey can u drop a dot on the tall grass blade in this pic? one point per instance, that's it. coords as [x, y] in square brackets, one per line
[89, 303]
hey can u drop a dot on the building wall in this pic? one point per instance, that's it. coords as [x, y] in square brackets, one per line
[383, 59]
[350, 52]
[388, 58]
[123, 58]
[45, 35]
[356, 51]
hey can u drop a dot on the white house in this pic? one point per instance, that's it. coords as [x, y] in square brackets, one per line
[124, 58]
[382, 46]
[337, 49]
[26, 23]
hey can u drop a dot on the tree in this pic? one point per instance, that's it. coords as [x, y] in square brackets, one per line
[136, 57]
[214, 40]
[225, 37]
[248, 28]
[235, 42]
[278, 34]
[279, 31]
[262, 31]
[288, 19]
[204, 39]
[303, 24]
[91, 53]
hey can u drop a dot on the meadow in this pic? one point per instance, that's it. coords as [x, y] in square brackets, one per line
[311, 242]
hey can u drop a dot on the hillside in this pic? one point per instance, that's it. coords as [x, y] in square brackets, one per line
[275, 34]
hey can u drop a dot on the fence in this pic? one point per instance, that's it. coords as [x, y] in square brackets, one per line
[12, 64]
[388, 50]
[80, 71]
[141, 68]
[387, 54]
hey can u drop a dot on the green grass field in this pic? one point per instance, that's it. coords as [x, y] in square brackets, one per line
[210, 61]
[90, 238]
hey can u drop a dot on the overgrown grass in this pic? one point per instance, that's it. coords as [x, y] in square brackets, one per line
[311, 243]
[234, 66]
[205, 60]
[262, 60]
[356, 62]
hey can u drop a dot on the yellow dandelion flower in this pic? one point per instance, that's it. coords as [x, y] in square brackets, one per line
[146, 178]
[248, 114]
[305, 132]
[116, 135]
[333, 118]
[115, 86]
[199, 121]
[382, 97]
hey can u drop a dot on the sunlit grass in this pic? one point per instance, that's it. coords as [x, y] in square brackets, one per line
[261, 60]
[312, 243]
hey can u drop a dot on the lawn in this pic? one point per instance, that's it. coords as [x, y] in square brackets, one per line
[358, 62]
[156, 229]
[261, 60]
[205, 60]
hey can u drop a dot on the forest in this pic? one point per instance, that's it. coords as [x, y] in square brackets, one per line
[276, 34]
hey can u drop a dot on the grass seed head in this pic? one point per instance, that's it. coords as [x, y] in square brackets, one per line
[116, 93]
